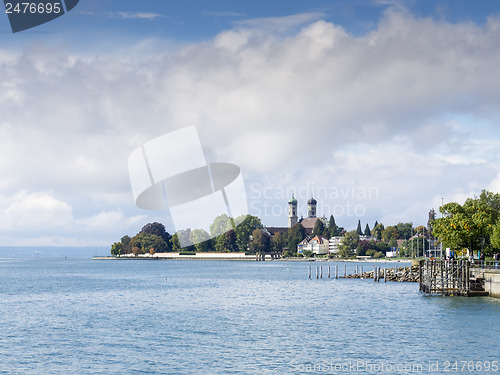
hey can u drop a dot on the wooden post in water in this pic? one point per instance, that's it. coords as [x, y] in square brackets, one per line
[336, 271]
[345, 270]
[309, 271]
[447, 272]
[356, 269]
[317, 273]
[385, 275]
[467, 277]
[441, 264]
[361, 270]
[420, 265]
[328, 271]
[320, 272]
[454, 273]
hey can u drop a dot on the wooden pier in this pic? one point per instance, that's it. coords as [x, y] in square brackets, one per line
[450, 278]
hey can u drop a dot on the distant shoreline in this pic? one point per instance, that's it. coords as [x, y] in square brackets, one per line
[241, 257]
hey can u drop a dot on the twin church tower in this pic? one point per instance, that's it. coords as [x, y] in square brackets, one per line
[292, 210]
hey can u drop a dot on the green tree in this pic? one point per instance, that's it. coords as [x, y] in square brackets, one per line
[363, 247]
[383, 247]
[377, 231]
[174, 243]
[349, 244]
[469, 225]
[157, 229]
[389, 233]
[318, 229]
[405, 230]
[295, 234]
[333, 229]
[456, 227]
[261, 241]
[185, 242]
[277, 242]
[201, 240]
[245, 229]
[226, 242]
[495, 236]
[116, 249]
[145, 242]
[220, 225]
[125, 241]
[358, 230]
[367, 230]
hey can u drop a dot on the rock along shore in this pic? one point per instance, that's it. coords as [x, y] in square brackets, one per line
[400, 274]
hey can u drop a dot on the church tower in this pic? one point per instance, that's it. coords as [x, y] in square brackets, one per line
[311, 207]
[292, 212]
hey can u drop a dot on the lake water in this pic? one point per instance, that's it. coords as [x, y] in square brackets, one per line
[82, 316]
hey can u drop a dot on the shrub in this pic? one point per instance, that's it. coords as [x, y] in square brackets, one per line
[187, 253]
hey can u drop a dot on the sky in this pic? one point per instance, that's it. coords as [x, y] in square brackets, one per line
[380, 109]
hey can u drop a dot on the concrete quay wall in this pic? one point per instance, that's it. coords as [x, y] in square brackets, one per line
[492, 282]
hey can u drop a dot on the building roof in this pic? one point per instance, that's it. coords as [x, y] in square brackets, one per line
[293, 200]
[309, 222]
[320, 239]
[312, 201]
[273, 230]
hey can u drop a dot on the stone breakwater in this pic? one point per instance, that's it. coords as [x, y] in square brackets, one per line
[399, 274]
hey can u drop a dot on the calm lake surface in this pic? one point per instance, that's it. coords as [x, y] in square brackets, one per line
[80, 316]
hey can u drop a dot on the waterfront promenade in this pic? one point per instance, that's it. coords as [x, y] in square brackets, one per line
[177, 256]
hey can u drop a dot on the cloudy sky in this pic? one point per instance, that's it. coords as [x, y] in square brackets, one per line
[380, 109]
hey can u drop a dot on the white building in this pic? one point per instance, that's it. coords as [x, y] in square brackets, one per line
[317, 245]
[301, 245]
[334, 244]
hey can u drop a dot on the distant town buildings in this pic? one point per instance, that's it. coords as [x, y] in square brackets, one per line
[316, 245]
[292, 212]
[334, 244]
[308, 222]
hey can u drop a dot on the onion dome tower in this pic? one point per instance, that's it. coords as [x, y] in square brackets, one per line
[292, 212]
[311, 207]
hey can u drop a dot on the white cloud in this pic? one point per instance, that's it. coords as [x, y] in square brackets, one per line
[494, 185]
[222, 14]
[134, 15]
[290, 107]
[105, 221]
[36, 212]
[280, 24]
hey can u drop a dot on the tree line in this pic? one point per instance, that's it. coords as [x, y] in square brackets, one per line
[226, 237]
[251, 236]
[474, 225]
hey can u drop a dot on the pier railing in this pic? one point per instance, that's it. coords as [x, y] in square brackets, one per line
[487, 265]
[452, 277]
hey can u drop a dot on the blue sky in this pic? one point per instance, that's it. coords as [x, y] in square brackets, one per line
[199, 20]
[379, 108]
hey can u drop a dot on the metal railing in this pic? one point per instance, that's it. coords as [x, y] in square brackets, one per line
[486, 264]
